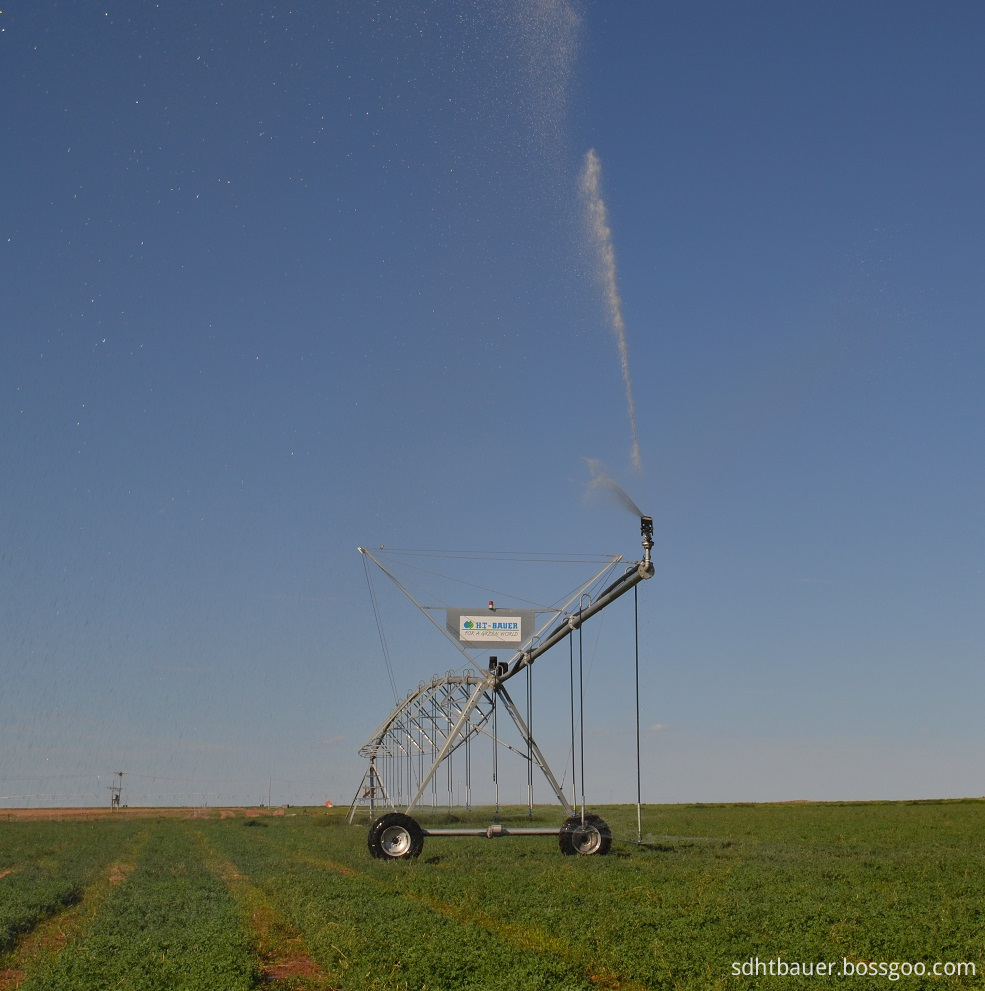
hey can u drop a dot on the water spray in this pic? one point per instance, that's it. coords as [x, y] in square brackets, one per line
[601, 237]
[601, 482]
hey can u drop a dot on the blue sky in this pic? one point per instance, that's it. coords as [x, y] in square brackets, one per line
[280, 280]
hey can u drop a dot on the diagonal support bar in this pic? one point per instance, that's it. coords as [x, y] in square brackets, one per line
[451, 741]
[534, 749]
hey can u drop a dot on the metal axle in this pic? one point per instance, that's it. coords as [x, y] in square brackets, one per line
[493, 831]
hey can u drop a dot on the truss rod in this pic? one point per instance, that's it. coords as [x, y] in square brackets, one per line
[638, 572]
[423, 609]
[477, 693]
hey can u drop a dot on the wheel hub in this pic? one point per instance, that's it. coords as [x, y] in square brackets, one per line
[587, 840]
[395, 840]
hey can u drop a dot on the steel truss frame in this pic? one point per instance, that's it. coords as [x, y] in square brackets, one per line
[447, 713]
[424, 730]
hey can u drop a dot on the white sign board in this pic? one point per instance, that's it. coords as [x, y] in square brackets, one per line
[490, 628]
[500, 629]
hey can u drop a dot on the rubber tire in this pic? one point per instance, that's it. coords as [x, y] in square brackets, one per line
[395, 836]
[594, 839]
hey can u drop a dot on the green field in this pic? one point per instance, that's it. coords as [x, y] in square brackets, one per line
[295, 901]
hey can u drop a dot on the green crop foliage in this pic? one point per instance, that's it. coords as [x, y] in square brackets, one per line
[709, 887]
[46, 866]
[171, 924]
[708, 890]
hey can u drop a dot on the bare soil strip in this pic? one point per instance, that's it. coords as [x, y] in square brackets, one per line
[53, 934]
[524, 937]
[284, 959]
[139, 812]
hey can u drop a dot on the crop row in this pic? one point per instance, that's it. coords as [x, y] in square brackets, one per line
[170, 924]
[46, 866]
[710, 887]
[296, 902]
[367, 934]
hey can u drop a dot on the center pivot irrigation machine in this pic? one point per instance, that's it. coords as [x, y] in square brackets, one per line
[447, 714]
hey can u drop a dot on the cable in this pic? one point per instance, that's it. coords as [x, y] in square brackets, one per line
[532, 557]
[639, 791]
[379, 627]
[530, 753]
[581, 720]
[571, 689]
[485, 589]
